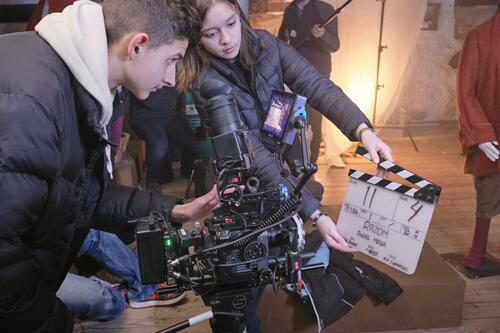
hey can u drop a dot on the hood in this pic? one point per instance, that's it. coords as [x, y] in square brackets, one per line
[78, 36]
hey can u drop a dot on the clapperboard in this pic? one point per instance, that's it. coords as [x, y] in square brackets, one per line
[386, 220]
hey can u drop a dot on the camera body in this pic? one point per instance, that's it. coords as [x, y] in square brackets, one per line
[160, 244]
[255, 238]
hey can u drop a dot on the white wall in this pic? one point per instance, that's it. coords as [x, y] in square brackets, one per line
[428, 91]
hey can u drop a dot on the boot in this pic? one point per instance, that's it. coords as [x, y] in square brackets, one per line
[479, 244]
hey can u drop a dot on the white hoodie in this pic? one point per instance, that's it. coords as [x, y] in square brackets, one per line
[78, 36]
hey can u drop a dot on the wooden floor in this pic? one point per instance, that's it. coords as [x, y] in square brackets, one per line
[451, 230]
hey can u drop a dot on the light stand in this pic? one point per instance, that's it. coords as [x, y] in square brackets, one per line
[378, 86]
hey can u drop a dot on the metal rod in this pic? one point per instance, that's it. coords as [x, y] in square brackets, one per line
[379, 56]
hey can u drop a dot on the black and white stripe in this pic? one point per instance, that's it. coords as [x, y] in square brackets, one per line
[390, 185]
[430, 193]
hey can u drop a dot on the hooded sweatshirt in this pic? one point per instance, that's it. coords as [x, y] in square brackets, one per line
[78, 36]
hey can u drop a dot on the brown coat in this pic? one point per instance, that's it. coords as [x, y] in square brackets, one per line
[478, 95]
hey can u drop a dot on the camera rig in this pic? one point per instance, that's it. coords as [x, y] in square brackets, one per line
[255, 238]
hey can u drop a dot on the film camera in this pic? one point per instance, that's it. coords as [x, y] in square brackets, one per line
[255, 238]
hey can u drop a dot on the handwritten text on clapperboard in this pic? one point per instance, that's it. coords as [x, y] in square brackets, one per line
[384, 224]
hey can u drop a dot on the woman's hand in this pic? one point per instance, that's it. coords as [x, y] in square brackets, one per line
[375, 147]
[331, 236]
[197, 208]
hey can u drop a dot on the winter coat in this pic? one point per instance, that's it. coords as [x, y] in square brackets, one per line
[296, 27]
[278, 64]
[54, 184]
[478, 95]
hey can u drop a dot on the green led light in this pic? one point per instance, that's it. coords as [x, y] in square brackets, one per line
[168, 241]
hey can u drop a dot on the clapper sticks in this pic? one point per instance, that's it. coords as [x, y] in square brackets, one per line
[387, 220]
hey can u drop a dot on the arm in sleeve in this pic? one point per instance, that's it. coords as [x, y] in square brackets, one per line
[283, 32]
[121, 203]
[330, 40]
[322, 94]
[29, 155]
[475, 127]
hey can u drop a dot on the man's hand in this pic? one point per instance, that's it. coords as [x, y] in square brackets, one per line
[197, 208]
[490, 150]
[375, 147]
[331, 236]
[317, 31]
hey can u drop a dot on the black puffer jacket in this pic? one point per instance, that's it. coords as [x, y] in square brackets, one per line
[278, 64]
[53, 182]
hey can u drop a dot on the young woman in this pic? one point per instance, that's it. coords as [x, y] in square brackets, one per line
[254, 63]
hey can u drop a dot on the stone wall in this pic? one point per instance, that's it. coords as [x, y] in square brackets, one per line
[428, 91]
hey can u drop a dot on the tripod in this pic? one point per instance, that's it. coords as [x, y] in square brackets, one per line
[228, 311]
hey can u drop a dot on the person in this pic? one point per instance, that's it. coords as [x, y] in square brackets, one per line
[301, 24]
[55, 102]
[253, 64]
[90, 298]
[160, 121]
[478, 109]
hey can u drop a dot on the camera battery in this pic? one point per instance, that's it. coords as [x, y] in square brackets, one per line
[151, 252]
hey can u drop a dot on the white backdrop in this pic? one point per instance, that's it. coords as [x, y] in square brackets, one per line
[354, 65]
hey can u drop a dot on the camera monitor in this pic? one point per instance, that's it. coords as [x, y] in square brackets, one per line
[278, 112]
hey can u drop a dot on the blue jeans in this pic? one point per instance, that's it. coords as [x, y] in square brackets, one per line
[118, 259]
[159, 134]
[91, 298]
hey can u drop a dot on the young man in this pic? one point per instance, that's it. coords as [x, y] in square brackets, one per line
[56, 96]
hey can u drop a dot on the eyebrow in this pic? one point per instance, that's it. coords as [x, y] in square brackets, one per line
[178, 55]
[228, 19]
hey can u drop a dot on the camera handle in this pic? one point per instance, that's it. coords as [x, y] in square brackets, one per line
[305, 167]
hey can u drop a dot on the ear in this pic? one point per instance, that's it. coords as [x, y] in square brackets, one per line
[136, 44]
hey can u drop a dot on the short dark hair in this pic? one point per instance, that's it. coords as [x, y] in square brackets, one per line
[163, 20]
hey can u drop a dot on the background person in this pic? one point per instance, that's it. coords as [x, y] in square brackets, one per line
[161, 122]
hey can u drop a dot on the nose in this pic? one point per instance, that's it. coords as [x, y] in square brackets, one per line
[224, 37]
[169, 78]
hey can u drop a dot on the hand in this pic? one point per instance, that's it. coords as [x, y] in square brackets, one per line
[317, 31]
[490, 150]
[197, 208]
[376, 148]
[331, 236]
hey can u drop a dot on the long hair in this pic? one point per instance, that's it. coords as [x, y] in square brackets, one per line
[195, 62]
